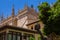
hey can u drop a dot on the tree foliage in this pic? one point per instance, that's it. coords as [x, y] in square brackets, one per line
[50, 16]
[31, 38]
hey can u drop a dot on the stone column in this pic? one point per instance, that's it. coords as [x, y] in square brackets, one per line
[22, 35]
[27, 37]
[7, 31]
[36, 36]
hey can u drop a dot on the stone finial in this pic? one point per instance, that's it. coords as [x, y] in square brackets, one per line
[26, 6]
[2, 18]
[31, 6]
[7, 15]
[13, 13]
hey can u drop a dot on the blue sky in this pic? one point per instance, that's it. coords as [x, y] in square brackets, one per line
[6, 5]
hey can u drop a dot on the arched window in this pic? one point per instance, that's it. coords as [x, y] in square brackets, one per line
[32, 27]
[37, 26]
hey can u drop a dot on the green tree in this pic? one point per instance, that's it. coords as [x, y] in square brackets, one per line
[44, 14]
[31, 38]
[50, 16]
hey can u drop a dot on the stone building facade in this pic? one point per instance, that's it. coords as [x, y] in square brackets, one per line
[24, 17]
[20, 26]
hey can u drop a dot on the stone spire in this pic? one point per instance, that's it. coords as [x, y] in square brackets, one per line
[13, 13]
[26, 6]
[7, 15]
[32, 6]
[2, 18]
